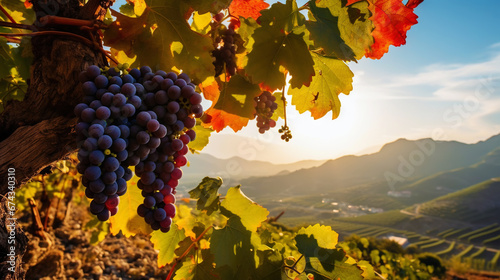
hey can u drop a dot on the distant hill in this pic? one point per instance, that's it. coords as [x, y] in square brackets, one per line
[404, 159]
[476, 204]
[446, 182]
[235, 169]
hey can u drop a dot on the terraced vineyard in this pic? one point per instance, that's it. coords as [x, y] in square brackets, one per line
[449, 243]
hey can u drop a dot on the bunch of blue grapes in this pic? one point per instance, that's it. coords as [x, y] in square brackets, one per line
[225, 49]
[146, 120]
[265, 106]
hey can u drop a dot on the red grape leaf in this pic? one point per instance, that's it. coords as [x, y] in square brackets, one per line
[332, 77]
[247, 8]
[220, 119]
[392, 20]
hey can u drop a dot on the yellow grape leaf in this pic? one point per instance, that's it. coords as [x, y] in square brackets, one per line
[353, 23]
[332, 77]
[201, 22]
[326, 237]
[202, 137]
[127, 220]
[166, 243]
[250, 213]
[185, 220]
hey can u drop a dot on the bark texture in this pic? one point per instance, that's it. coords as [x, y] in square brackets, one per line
[39, 130]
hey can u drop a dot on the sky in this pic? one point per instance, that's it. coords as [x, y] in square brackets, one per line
[444, 84]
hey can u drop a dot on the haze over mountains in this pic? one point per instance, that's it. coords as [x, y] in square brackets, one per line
[393, 168]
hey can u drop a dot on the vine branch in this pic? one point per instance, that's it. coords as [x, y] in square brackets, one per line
[7, 14]
[171, 272]
[17, 25]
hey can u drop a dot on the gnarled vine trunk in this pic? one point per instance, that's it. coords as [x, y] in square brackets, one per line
[38, 131]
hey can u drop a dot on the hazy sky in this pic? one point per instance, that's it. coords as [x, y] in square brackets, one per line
[444, 83]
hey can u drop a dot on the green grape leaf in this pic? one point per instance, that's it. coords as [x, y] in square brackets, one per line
[207, 194]
[271, 263]
[251, 214]
[197, 268]
[204, 6]
[99, 230]
[324, 31]
[201, 22]
[246, 30]
[183, 246]
[236, 97]
[166, 243]
[325, 263]
[202, 137]
[14, 70]
[271, 51]
[232, 250]
[127, 220]
[169, 39]
[354, 24]
[325, 236]
[332, 77]
[128, 10]
[283, 16]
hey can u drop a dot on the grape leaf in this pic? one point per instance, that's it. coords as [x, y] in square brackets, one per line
[202, 137]
[325, 33]
[353, 23]
[127, 220]
[185, 220]
[247, 27]
[207, 193]
[332, 77]
[15, 63]
[325, 263]
[139, 6]
[232, 249]
[250, 213]
[205, 6]
[218, 119]
[171, 44]
[166, 243]
[247, 8]
[201, 22]
[392, 20]
[271, 263]
[273, 49]
[283, 16]
[236, 97]
[326, 237]
[197, 268]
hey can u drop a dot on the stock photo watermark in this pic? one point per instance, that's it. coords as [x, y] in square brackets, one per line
[11, 221]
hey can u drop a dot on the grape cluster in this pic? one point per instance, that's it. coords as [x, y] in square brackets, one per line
[225, 49]
[287, 134]
[135, 118]
[264, 106]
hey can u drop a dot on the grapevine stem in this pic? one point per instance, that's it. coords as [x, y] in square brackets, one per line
[17, 25]
[171, 272]
[55, 20]
[7, 14]
[284, 104]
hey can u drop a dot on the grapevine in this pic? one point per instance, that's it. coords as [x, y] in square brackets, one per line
[225, 47]
[134, 117]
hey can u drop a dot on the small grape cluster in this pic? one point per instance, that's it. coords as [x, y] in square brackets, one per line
[134, 117]
[225, 48]
[265, 106]
[287, 134]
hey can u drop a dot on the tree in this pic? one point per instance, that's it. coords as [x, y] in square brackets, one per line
[40, 85]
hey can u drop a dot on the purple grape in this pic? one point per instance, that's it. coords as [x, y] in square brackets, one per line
[104, 142]
[96, 157]
[92, 72]
[103, 113]
[101, 81]
[88, 115]
[92, 173]
[149, 202]
[97, 186]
